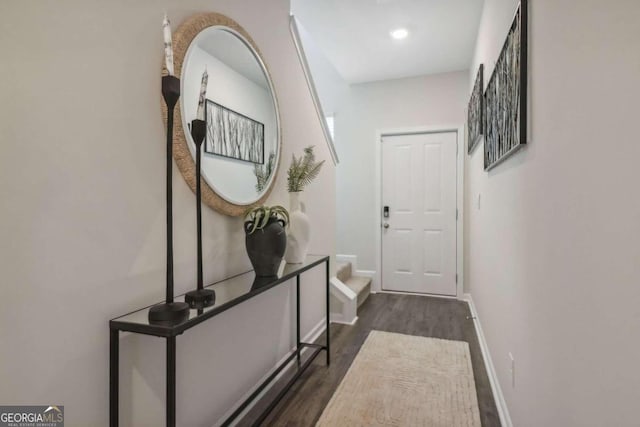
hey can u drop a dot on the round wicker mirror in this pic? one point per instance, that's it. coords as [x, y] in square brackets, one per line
[241, 151]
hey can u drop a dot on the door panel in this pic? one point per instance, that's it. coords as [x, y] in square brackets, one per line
[403, 179]
[432, 252]
[419, 187]
[402, 252]
[432, 178]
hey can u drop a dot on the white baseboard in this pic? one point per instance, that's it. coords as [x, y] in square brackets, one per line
[416, 294]
[315, 332]
[309, 338]
[501, 404]
[365, 273]
[339, 318]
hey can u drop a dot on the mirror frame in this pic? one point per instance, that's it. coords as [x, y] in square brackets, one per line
[182, 39]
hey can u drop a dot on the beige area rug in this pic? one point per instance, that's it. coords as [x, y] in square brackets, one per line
[403, 380]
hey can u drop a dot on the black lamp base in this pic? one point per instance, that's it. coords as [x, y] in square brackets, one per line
[200, 298]
[174, 312]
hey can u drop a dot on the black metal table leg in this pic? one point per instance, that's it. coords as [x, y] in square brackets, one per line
[114, 376]
[298, 317]
[171, 381]
[328, 319]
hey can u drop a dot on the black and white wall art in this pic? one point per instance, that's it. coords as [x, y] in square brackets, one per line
[475, 112]
[506, 96]
[231, 134]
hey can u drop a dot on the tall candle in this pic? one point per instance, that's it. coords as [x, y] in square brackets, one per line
[168, 48]
[203, 95]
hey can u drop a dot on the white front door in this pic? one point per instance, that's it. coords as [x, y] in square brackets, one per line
[419, 231]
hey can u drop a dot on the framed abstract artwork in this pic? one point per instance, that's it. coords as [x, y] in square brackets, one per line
[505, 100]
[475, 112]
[233, 135]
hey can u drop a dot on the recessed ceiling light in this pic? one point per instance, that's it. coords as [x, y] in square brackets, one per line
[399, 33]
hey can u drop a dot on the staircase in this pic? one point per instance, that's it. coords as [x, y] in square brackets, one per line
[360, 285]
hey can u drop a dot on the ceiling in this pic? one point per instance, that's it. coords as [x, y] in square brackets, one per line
[354, 35]
[232, 51]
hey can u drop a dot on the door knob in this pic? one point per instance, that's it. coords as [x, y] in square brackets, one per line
[386, 225]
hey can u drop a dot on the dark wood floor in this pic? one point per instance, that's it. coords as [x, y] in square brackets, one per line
[407, 314]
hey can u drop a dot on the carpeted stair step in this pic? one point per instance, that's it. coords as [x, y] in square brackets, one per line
[360, 285]
[344, 272]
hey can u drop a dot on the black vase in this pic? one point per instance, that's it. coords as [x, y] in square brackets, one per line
[262, 281]
[266, 246]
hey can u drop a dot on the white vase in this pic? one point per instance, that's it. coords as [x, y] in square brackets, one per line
[299, 231]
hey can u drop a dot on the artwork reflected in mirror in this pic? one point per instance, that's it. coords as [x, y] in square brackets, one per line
[234, 135]
[241, 151]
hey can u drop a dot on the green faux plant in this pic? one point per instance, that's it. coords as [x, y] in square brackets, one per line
[257, 218]
[263, 173]
[303, 170]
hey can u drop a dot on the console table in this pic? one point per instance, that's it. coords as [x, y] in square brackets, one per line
[229, 292]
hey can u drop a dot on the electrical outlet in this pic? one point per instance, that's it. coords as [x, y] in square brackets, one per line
[513, 370]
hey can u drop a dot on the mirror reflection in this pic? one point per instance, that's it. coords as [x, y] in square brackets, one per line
[241, 148]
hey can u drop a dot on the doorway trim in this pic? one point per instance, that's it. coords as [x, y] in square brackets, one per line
[460, 153]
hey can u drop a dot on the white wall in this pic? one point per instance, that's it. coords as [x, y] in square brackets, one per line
[421, 101]
[332, 89]
[553, 255]
[82, 183]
